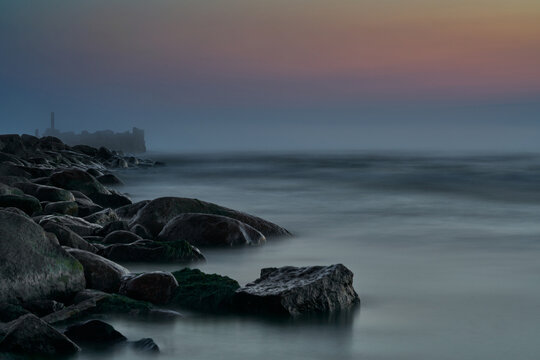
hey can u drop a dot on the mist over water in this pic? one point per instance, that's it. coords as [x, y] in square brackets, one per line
[444, 250]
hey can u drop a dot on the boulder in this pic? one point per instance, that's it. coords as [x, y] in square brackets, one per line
[75, 224]
[100, 273]
[153, 251]
[121, 237]
[156, 287]
[294, 291]
[10, 312]
[45, 192]
[113, 226]
[16, 211]
[7, 169]
[210, 230]
[42, 307]
[157, 213]
[204, 292]
[109, 179]
[94, 332]
[102, 217]
[12, 180]
[126, 212]
[145, 345]
[29, 335]
[12, 144]
[67, 237]
[141, 231]
[31, 266]
[26, 203]
[61, 207]
[9, 190]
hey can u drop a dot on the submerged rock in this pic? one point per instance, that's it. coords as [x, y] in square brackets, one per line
[31, 336]
[204, 292]
[100, 273]
[156, 287]
[157, 213]
[95, 332]
[153, 251]
[146, 345]
[31, 266]
[210, 230]
[297, 290]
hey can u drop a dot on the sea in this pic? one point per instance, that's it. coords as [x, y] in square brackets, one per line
[444, 247]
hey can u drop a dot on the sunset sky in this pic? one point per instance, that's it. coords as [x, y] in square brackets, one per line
[276, 74]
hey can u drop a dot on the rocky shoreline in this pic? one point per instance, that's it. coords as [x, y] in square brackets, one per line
[64, 231]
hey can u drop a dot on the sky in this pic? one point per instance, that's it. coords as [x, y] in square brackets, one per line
[264, 75]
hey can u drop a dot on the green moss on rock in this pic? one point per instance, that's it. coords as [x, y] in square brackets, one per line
[204, 292]
[118, 304]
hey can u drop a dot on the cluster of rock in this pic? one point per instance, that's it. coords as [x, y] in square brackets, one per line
[63, 233]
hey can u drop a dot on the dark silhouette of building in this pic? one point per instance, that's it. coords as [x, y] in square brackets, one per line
[131, 142]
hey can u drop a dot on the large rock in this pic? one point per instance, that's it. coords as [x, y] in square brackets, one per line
[31, 266]
[12, 144]
[121, 237]
[62, 207]
[109, 179]
[157, 287]
[29, 335]
[126, 212]
[9, 190]
[210, 230]
[75, 224]
[45, 192]
[94, 332]
[297, 290]
[113, 226]
[67, 237]
[26, 203]
[157, 213]
[153, 251]
[100, 273]
[102, 217]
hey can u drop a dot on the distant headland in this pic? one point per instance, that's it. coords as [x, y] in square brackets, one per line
[132, 142]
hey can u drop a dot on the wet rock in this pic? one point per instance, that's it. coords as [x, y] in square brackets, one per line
[109, 179]
[153, 251]
[94, 332]
[204, 292]
[85, 204]
[88, 294]
[61, 207]
[16, 211]
[26, 203]
[45, 192]
[68, 238]
[12, 180]
[10, 312]
[145, 345]
[113, 226]
[29, 335]
[141, 231]
[31, 266]
[42, 307]
[156, 287]
[102, 217]
[157, 213]
[9, 190]
[294, 291]
[210, 230]
[121, 237]
[75, 224]
[100, 273]
[126, 212]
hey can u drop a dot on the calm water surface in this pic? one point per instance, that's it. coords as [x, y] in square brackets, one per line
[445, 252]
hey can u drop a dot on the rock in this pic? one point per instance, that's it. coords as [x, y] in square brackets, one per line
[8, 190]
[153, 251]
[146, 345]
[75, 224]
[100, 273]
[26, 203]
[87, 150]
[16, 211]
[113, 226]
[157, 213]
[156, 287]
[204, 292]
[102, 217]
[126, 212]
[88, 294]
[45, 192]
[79, 309]
[7, 169]
[42, 307]
[95, 332]
[10, 312]
[31, 267]
[210, 230]
[86, 206]
[120, 237]
[29, 141]
[62, 207]
[12, 144]
[31, 336]
[12, 180]
[294, 291]
[141, 231]
[104, 153]
[109, 179]
[68, 238]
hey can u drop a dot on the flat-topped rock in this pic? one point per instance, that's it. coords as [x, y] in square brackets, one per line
[294, 291]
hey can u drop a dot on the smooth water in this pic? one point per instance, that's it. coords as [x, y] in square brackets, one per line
[445, 251]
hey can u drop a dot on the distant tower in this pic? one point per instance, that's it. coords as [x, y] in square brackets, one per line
[52, 120]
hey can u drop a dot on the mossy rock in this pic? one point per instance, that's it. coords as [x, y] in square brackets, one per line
[119, 304]
[204, 292]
